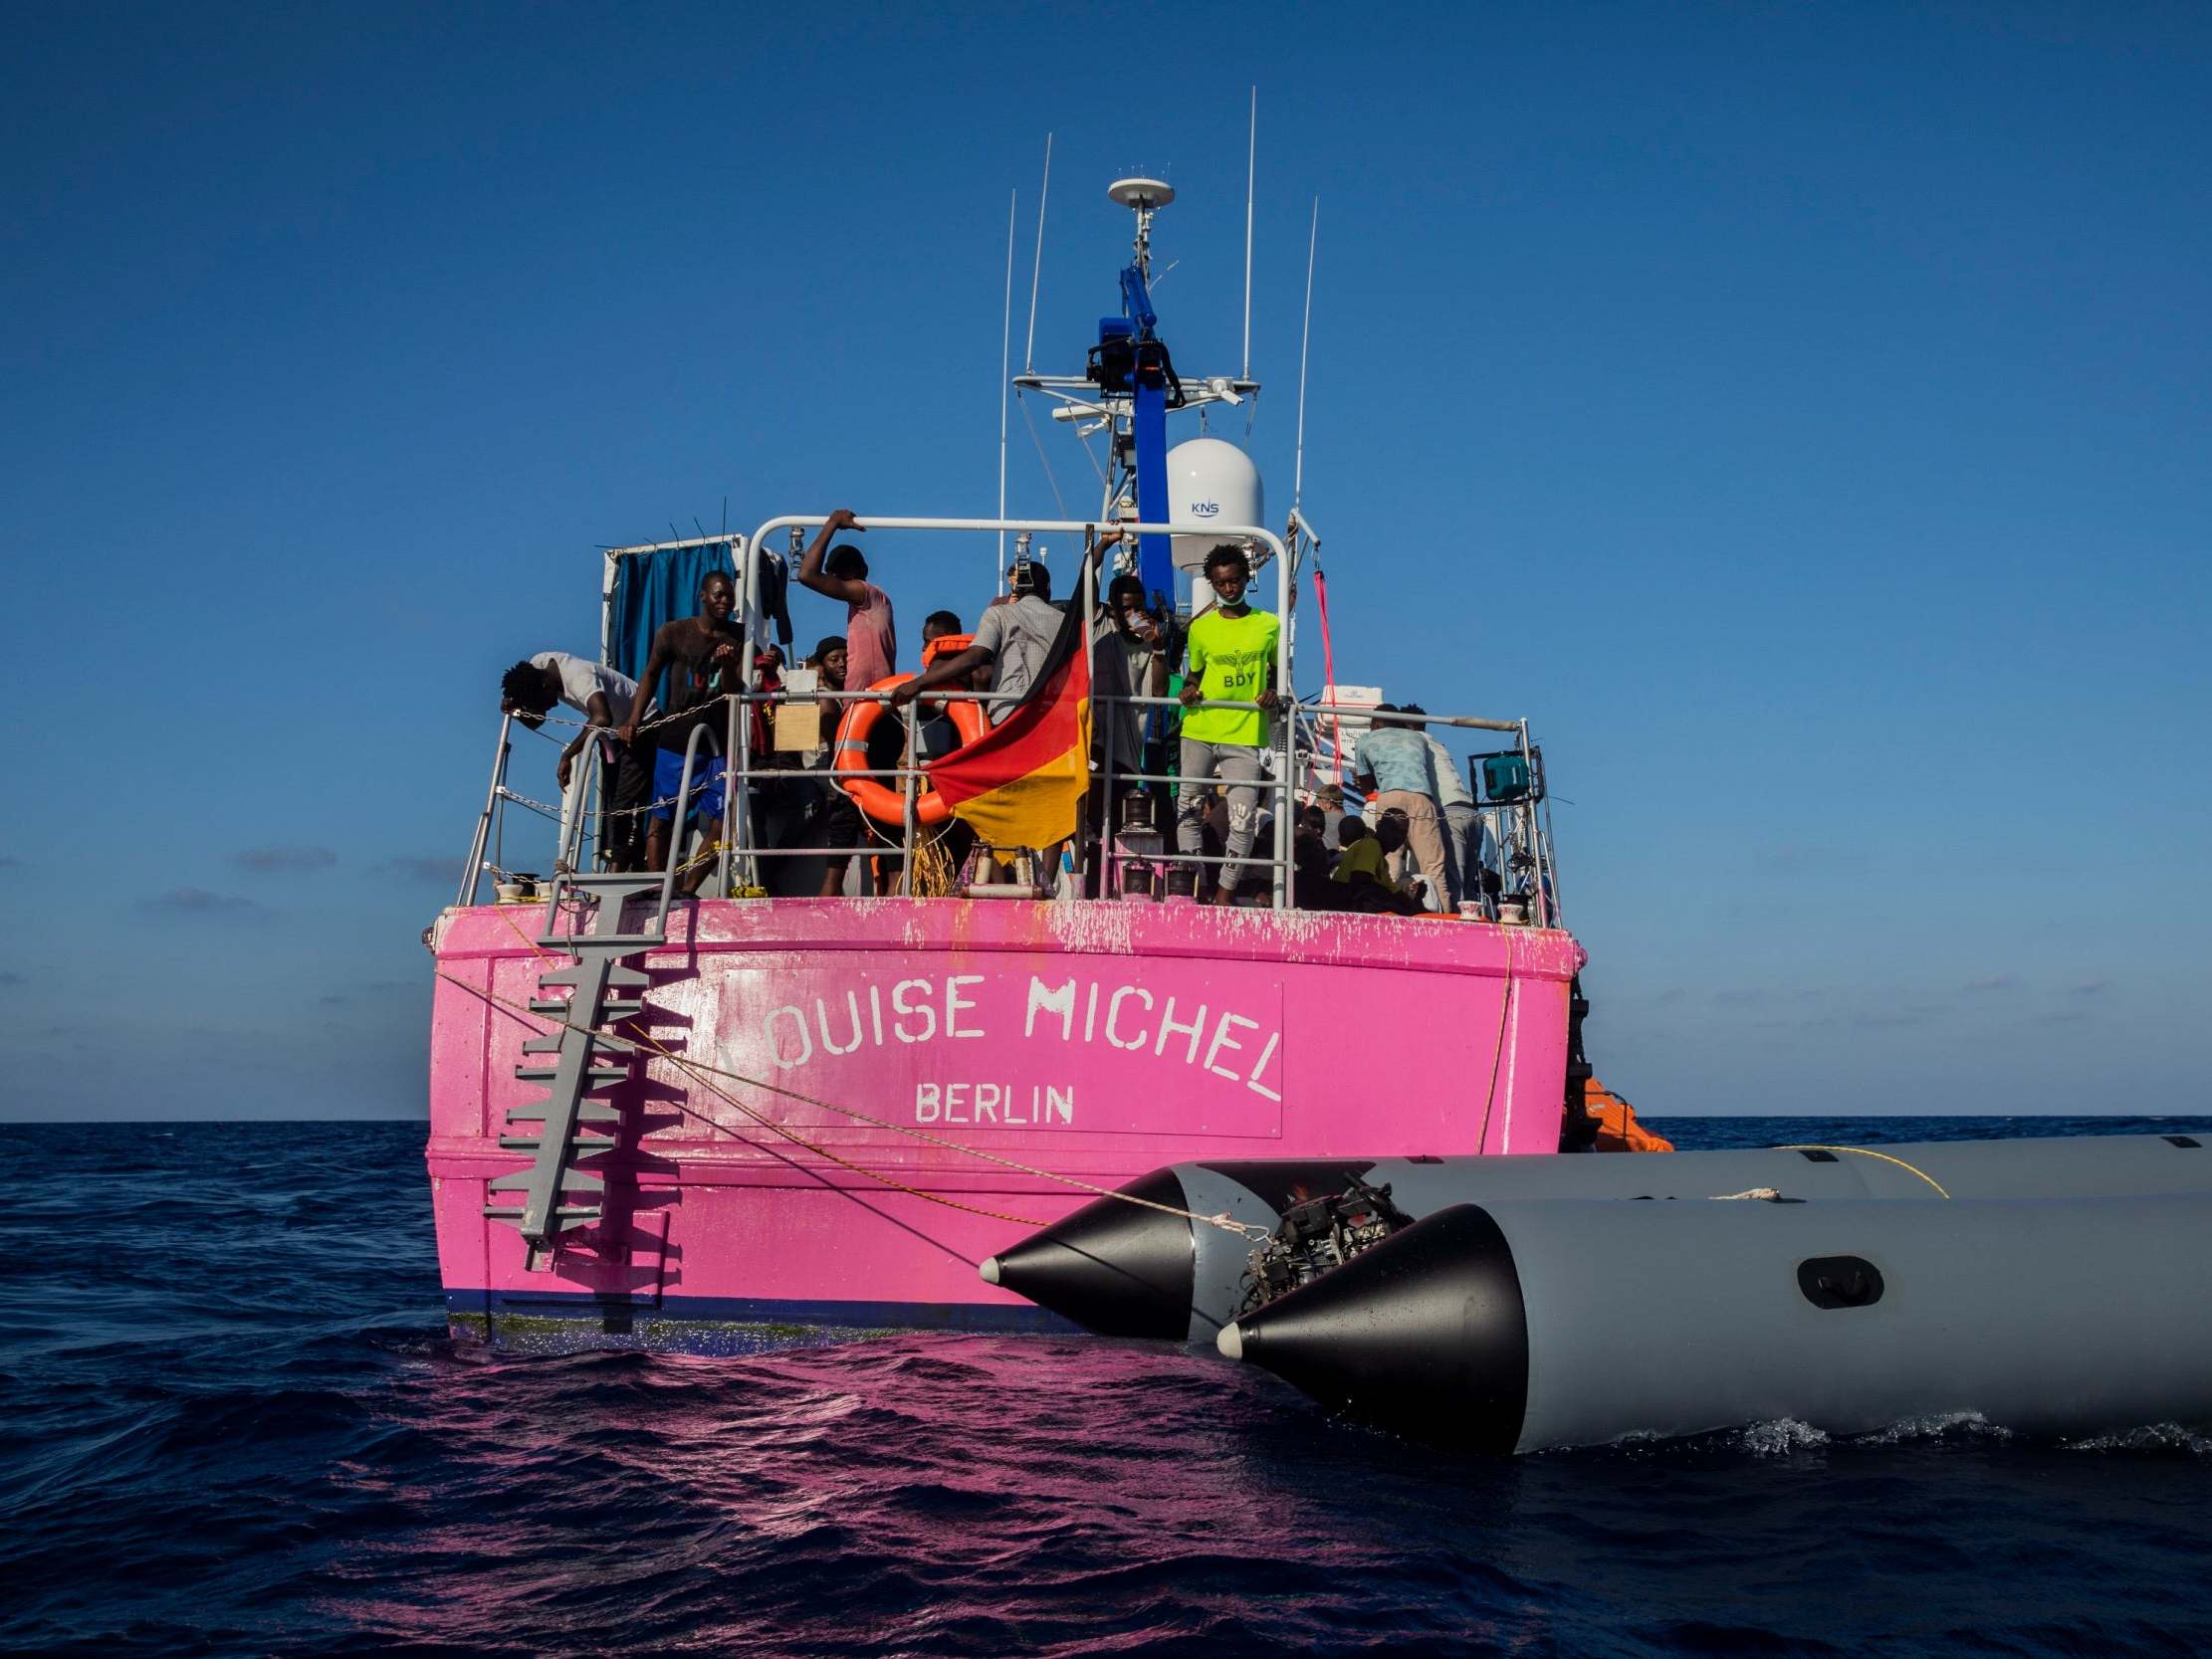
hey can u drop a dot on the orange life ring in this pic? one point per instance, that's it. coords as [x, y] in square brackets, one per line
[887, 805]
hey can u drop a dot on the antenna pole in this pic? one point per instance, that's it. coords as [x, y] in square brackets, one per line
[1036, 270]
[1251, 166]
[1006, 352]
[1305, 334]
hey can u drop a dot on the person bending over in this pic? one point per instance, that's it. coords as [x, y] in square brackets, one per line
[1395, 770]
[1462, 823]
[529, 689]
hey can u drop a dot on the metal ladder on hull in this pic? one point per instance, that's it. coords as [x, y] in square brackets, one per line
[571, 1123]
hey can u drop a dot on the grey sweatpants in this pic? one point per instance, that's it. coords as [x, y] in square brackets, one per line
[1462, 851]
[1236, 765]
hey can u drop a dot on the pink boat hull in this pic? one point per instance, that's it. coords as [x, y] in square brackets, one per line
[1093, 1042]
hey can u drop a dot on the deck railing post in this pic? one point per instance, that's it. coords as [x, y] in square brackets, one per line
[907, 784]
[1285, 721]
[1286, 725]
[473, 873]
[749, 870]
[737, 806]
[1088, 599]
[678, 816]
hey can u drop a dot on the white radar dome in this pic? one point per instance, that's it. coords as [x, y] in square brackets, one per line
[1210, 482]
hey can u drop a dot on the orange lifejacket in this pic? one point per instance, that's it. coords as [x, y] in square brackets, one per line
[886, 805]
[1618, 1129]
[946, 645]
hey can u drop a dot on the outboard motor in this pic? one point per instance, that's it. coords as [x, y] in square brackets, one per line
[1317, 1237]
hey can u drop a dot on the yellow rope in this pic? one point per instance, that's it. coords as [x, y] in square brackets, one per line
[543, 954]
[700, 1070]
[1868, 1151]
[931, 875]
[1497, 1057]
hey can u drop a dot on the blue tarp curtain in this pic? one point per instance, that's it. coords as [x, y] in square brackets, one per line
[654, 589]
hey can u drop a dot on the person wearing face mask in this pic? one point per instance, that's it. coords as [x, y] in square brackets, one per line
[1232, 659]
[1150, 646]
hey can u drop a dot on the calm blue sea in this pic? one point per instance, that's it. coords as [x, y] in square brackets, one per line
[234, 1426]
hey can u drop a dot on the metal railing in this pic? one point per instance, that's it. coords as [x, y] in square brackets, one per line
[741, 851]
[1089, 530]
[1518, 840]
[472, 873]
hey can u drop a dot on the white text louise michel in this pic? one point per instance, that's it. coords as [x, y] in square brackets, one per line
[1126, 1018]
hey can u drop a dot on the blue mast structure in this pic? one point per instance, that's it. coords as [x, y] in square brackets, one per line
[1132, 359]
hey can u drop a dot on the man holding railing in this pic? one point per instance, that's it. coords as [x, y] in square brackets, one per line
[1231, 658]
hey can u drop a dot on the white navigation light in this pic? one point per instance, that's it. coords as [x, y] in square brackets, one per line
[1210, 482]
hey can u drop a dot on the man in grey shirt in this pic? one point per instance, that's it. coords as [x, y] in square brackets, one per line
[1012, 639]
[1463, 824]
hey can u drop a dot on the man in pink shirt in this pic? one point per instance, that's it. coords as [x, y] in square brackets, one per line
[872, 639]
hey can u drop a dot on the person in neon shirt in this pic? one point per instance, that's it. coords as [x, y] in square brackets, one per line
[1231, 658]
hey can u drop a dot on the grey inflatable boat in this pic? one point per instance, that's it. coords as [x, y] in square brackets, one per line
[1122, 1270]
[1519, 1325]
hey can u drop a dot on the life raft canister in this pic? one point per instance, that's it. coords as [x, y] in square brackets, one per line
[883, 804]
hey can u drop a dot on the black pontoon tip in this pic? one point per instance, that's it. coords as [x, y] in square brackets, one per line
[1116, 1269]
[1424, 1335]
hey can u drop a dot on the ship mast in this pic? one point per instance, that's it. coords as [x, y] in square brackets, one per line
[1128, 389]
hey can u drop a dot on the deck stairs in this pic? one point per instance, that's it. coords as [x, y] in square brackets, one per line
[576, 1124]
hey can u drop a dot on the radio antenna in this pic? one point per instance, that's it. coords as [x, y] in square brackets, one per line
[1252, 166]
[1036, 270]
[1305, 334]
[1006, 389]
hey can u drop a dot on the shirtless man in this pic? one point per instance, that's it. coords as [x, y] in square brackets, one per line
[701, 656]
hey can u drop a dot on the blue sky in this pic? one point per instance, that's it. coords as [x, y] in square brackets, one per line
[1799, 412]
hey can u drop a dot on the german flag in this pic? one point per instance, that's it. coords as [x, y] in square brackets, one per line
[1022, 782]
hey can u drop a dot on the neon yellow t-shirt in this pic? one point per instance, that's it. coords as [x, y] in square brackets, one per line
[1233, 657]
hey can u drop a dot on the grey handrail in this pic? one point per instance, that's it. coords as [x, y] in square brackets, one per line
[736, 824]
[473, 872]
[677, 818]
